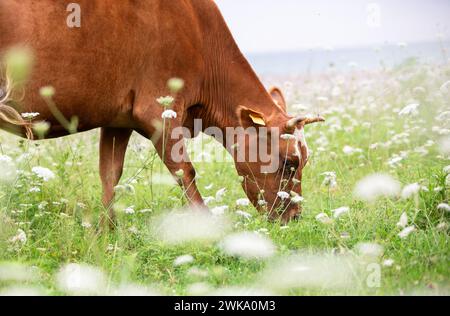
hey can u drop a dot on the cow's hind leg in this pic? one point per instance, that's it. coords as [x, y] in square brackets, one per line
[113, 146]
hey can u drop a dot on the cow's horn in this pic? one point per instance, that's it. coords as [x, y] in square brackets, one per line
[292, 123]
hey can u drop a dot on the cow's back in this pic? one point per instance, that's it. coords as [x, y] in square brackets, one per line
[121, 46]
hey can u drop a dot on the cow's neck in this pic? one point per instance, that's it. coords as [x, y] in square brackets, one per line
[230, 82]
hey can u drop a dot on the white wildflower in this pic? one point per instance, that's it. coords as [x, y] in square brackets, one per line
[297, 199]
[183, 260]
[34, 190]
[208, 200]
[442, 226]
[169, 114]
[403, 222]
[410, 190]
[445, 88]
[446, 170]
[388, 263]
[444, 146]
[248, 246]
[348, 150]
[340, 211]
[310, 272]
[243, 202]
[406, 232]
[8, 169]
[370, 249]
[16, 272]
[220, 194]
[411, 109]
[133, 230]
[129, 210]
[244, 214]
[374, 186]
[86, 225]
[190, 226]
[324, 218]
[21, 237]
[30, 116]
[330, 179]
[81, 279]
[283, 195]
[43, 173]
[219, 210]
[444, 207]
[262, 202]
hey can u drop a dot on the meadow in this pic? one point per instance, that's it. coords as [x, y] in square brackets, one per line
[386, 235]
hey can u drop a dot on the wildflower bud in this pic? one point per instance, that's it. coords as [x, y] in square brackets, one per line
[47, 92]
[19, 62]
[180, 173]
[165, 101]
[41, 128]
[175, 85]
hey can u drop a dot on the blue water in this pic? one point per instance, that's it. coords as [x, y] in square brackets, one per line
[319, 61]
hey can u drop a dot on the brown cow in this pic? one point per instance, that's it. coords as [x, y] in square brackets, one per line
[110, 71]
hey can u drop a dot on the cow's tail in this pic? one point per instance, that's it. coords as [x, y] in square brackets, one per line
[9, 116]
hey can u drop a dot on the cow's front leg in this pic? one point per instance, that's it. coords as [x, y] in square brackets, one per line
[113, 146]
[169, 142]
[172, 150]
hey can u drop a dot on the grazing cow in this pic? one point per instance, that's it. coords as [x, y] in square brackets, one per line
[110, 71]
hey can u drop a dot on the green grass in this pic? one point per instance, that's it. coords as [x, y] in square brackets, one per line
[365, 112]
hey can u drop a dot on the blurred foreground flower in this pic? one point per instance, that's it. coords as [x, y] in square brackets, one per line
[19, 63]
[406, 232]
[410, 190]
[403, 222]
[21, 237]
[43, 173]
[248, 245]
[8, 169]
[183, 260]
[371, 250]
[340, 211]
[175, 85]
[375, 186]
[16, 272]
[310, 272]
[81, 279]
[189, 226]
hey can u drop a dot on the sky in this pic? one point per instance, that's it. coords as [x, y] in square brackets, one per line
[289, 25]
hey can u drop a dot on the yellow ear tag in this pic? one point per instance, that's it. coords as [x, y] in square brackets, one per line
[257, 119]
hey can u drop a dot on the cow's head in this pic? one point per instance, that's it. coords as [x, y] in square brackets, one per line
[277, 191]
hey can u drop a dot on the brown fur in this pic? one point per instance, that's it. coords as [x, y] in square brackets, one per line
[110, 71]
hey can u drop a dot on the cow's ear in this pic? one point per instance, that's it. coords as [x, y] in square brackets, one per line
[278, 98]
[249, 117]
